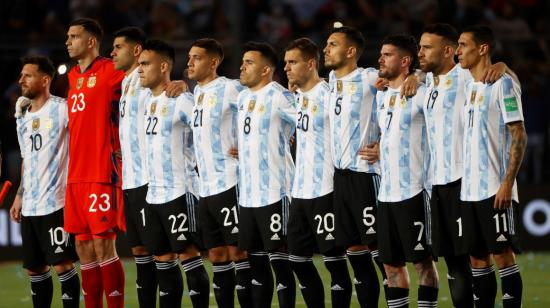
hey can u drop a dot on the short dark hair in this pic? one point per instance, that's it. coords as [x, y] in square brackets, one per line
[90, 25]
[212, 47]
[405, 43]
[481, 35]
[354, 36]
[162, 48]
[45, 65]
[131, 34]
[444, 30]
[264, 49]
[306, 46]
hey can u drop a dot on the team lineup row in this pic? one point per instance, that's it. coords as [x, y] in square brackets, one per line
[376, 179]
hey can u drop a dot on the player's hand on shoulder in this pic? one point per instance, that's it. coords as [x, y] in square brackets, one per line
[21, 105]
[370, 152]
[15, 211]
[381, 84]
[292, 87]
[494, 72]
[503, 198]
[176, 87]
[410, 85]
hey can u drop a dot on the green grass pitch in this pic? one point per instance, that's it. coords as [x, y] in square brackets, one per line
[535, 269]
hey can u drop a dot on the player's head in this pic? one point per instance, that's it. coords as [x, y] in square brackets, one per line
[83, 37]
[155, 63]
[345, 44]
[205, 55]
[36, 76]
[127, 46]
[398, 55]
[301, 61]
[437, 47]
[259, 62]
[475, 43]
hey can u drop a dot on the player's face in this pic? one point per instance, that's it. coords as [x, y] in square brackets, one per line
[149, 69]
[252, 68]
[200, 64]
[467, 51]
[335, 51]
[431, 53]
[32, 81]
[124, 54]
[79, 42]
[297, 68]
[390, 62]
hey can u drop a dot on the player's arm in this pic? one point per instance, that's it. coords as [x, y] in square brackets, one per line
[503, 198]
[175, 88]
[15, 211]
[412, 82]
[495, 71]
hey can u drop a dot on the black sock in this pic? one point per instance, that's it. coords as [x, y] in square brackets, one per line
[311, 284]
[198, 282]
[286, 285]
[512, 286]
[70, 288]
[170, 284]
[459, 276]
[146, 281]
[340, 281]
[485, 286]
[42, 290]
[242, 283]
[366, 282]
[382, 270]
[398, 297]
[262, 279]
[427, 296]
[224, 283]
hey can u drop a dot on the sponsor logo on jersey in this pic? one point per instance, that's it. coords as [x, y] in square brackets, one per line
[235, 230]
[275, 237]
[58, 249]
[91, 82]
[115, 293]
[182, 237]
[329, 237]
[418, 247]
[502, 238]
[79, 83]
[371, 231]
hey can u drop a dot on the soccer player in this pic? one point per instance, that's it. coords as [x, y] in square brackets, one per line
[169, 216]
[403, 213]
[311, 221]
[443, 112]
[266, 121]
[127, 46]
[214, 134]
[494, 144]
[38, 205]
[94, 209]
[352, 126]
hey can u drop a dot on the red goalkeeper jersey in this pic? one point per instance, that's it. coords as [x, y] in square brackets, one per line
[93, 123]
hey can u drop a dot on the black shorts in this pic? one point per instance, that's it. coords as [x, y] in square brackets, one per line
[263, 228]
[495, 230]
[134, 209]
[219, 219]
[172, 226]
[45, 242]
[403, 229]
[311, 226]
[451, 220]
[355, 201]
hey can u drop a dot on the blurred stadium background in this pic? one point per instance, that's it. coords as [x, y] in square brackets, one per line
[522, 28]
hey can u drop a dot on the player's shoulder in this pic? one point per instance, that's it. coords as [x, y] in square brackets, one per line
[506, 81]
[185, 97]
[282, 91]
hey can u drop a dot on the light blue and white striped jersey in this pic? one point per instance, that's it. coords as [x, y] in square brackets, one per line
[132, 139]
[443, 105]
[214, 133]
[44, 141]
[169, 146]
[489, 107]
[266, 122]
[351, 118]
[314, 166]
[404, 150]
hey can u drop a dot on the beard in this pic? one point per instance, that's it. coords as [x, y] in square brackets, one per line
[29, 93]
[388, 74]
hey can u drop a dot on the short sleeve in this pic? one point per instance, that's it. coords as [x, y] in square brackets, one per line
[232, 94]
[184, 107]
[20, 122]
[509, 100]
[287, 107]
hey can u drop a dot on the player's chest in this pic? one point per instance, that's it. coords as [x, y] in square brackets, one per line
[311, 115]
[38, 131]
[89, 94]
[396, 113]
[349, 99]
[256, 116]
[208, 110]
[160, 119]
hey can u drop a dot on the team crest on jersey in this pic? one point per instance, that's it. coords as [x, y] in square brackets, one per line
[91, 82]
[201, 98]
[153, 107]
[473, 97]
[352, 88]
[480, 100]
[35, 124]
[339, 86]
[251, 105]
[448, 83]
[314, 109]
[262, 108]
[212, 100]
[126, 89]
[48, 124]
[164, 111]
[79, 83]
[392, 101]
[305, 102]
[436, 80]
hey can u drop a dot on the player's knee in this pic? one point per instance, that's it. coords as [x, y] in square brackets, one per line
[104, 249]
[218, 254]
[358, 248]
[189, 252]
[236, 254]
[64, 266]
[335, 252]
[505, 259]
[85, 250]
[167, 257]
[481, 261]
[140, 251]
[38, 270]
